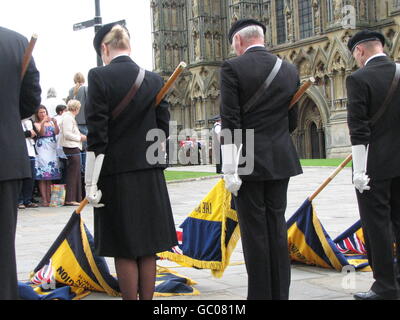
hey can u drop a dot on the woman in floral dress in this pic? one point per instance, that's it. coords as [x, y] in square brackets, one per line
[47, 166]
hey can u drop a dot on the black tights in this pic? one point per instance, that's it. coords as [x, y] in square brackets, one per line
[136, 277]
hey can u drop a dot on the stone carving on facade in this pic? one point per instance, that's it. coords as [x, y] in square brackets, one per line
[363, 9]
[289, 21]
[337, 10]
[316, 16]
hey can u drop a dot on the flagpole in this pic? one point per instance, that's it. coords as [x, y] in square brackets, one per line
[170, 82]
[302, 90]
[28, 55]
[331, 177]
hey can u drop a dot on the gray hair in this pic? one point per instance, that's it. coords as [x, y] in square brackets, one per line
[51, 93]
[251, 32]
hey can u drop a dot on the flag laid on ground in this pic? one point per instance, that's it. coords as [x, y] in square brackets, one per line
[170, 283]
[29, 291]
[73, 263]
[309, 243]
[351, 243]
[209, 234]
[71, 270]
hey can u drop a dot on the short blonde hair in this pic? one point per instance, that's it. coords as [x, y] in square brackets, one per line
[73, 105]
[118, 38]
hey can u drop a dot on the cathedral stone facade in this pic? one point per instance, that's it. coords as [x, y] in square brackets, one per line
[308, 33]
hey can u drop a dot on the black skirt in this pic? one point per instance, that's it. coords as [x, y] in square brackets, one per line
[137, 217]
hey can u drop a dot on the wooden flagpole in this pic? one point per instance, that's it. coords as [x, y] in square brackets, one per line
[28, 55]
[331, 177]
[179, 69]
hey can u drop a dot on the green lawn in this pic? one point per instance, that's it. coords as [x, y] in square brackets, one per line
[180, 175]
[322, 162]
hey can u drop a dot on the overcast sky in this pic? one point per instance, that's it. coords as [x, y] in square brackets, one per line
[60, 52]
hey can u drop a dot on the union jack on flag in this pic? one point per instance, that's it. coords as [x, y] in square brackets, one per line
[44, 275]
[352, 241]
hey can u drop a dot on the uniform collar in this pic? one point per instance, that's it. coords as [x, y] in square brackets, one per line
[255, 46]
[375, 56]
[121, 58]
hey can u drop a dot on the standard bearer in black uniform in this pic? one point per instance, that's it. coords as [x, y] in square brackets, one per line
[136, 220]
[18, 100]
[261, 193]
[376, 158]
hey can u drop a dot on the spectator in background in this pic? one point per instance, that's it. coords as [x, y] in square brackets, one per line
[52, 102]
[71, 141]
[79, 92]
[60, 109]
[25, 198]
[46, 165]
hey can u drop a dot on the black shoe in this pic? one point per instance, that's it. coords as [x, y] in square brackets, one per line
[370, 295]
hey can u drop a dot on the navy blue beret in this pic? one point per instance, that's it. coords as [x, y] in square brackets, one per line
[364, 36]
[241, 24]
[98, 38]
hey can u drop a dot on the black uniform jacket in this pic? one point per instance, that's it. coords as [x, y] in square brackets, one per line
[275, 156]
[18, 100]
[123, 140]
[367, 88]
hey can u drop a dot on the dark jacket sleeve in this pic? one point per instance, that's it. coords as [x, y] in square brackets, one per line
[163, 117]
[230, 105]
[97, 114]
[293, 116]
[30, 91]
[357, 111]
[294, 113]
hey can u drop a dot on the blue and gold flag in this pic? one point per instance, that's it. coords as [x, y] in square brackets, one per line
[209, 234]
[71, 270]
[309, 243]
[72, 261]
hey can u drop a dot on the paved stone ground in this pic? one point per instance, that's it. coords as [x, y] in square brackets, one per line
[336, 208]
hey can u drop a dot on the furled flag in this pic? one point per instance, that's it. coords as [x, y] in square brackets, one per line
[209, 234]
[309, 243]
[71, 270]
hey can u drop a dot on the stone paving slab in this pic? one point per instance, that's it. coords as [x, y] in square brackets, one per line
[336, 207]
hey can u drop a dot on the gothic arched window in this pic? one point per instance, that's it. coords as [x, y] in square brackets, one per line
[280, 21]
[305, 18]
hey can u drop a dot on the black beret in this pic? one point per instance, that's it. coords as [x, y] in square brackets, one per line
[364, 36]
[241, 24]
[101, 33]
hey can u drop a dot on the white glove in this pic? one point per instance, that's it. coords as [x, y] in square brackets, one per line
[230, 165]
[360, 178]
[92, 173]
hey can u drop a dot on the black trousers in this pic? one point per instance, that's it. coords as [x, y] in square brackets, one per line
[28, 184]
[9, 192]
[380, 218]
[261, 207]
